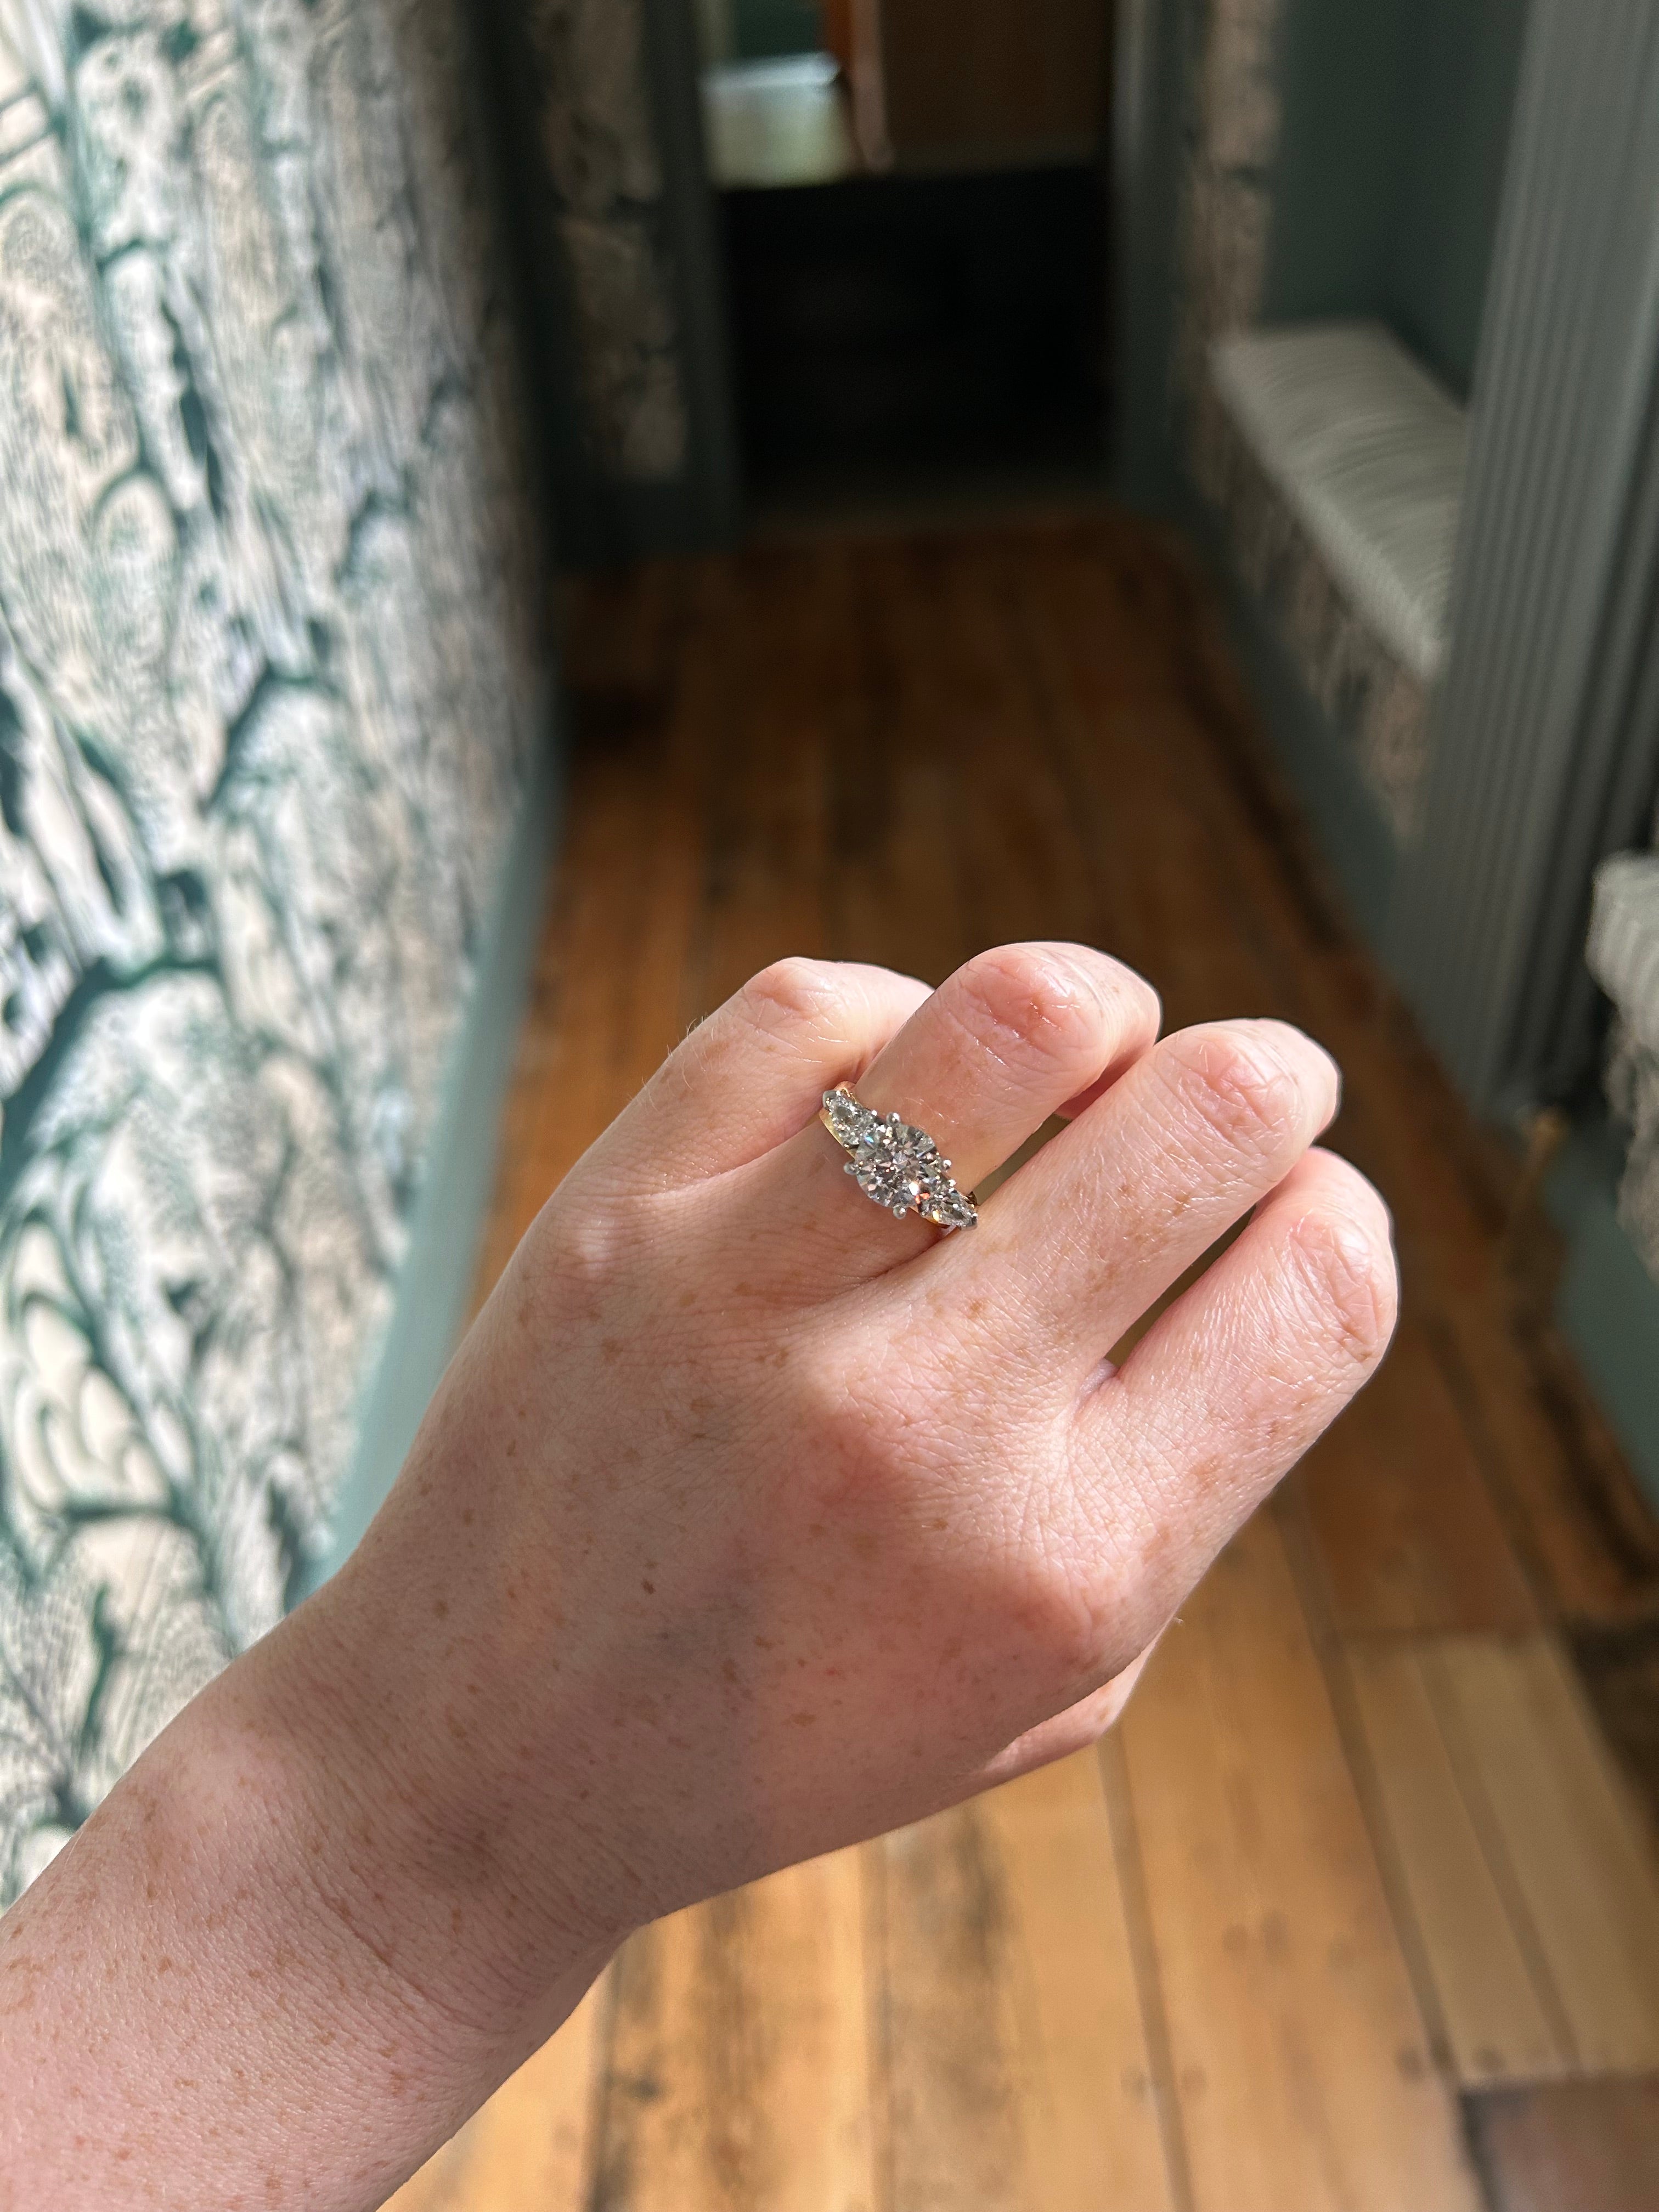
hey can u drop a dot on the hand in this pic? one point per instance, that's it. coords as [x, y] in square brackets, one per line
[750, 1521]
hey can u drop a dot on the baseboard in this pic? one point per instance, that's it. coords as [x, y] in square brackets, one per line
[1608, 1304]
[436, 1282]
[605, 524]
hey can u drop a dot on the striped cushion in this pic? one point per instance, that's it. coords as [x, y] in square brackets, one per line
[1368, 450]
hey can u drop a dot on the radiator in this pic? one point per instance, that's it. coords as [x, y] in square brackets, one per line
[1546, 726]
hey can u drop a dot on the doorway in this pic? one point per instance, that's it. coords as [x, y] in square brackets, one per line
[912, 207]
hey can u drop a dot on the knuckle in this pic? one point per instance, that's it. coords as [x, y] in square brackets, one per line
[568, 1263]
[1059, 1618]
[1032, 1007]
[583, 1236]
[1240, 1082]
[790, 991]
[1347, 1266]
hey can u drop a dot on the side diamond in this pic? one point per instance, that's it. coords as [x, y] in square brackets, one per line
[948, 1207]
[845, 1119]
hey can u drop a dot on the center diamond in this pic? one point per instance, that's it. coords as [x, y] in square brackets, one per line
[896, 1164]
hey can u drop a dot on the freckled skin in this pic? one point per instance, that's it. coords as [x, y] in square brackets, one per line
[747, 1523]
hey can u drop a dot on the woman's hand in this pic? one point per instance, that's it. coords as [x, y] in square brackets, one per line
[750, 1521]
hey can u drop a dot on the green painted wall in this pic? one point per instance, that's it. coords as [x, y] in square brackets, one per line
[1339, 73]
[1459, 62]
[1608, 1304]
[452, 1206]
[763, 29]
[1390, 167]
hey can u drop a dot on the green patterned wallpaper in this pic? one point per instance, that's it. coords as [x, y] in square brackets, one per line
[268, 662]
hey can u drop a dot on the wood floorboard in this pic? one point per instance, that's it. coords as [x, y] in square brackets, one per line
[1569, 2147]
[763, 883]
[1018, 2075]
[1619, 1666]
[1503, 2016]
[1141, 1936]
[1196, 1992]
[739, 2063]
[897, 894]
[533, 2144]
[955, 2130]
[1561, 1822]
[1300, 2058]
[1094, 2131]
[434, 2188]
[1405, 1528]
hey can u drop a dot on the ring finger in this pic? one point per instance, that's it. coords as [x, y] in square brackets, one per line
[1015, 1036]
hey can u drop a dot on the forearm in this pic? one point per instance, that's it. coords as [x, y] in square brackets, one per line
[243, 1979]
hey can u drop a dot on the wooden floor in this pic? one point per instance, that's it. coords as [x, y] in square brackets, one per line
[1358, 1909]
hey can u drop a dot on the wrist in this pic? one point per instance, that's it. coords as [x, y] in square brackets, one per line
[410, 1835]
[268, 1991]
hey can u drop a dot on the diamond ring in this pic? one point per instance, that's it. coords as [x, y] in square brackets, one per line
[895, 1163]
